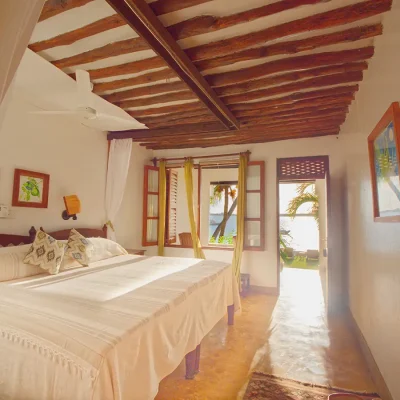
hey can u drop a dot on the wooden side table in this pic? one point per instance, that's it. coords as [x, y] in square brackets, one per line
[138, 252]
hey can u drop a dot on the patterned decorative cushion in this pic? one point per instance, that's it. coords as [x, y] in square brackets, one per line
[79, 248]
[46, 253]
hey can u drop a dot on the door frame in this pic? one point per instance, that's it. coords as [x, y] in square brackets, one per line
[326, 176]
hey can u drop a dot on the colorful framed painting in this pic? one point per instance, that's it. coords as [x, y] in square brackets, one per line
[383, 146]
[31, 189]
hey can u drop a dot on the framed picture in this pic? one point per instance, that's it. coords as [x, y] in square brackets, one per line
[383, 146]
[31, 189]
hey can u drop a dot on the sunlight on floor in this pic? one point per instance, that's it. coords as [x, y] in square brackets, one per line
[290, 337]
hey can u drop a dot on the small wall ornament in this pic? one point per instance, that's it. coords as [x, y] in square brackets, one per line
[31, 189]
[384, 156]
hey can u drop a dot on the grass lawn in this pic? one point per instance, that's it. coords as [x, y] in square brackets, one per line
[300, 262]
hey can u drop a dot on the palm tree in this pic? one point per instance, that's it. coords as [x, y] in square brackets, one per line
[304, 196]
[225, 191]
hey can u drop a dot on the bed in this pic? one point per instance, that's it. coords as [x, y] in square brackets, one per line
[112, 330]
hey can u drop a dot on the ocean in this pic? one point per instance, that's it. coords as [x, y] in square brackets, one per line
[215, 219]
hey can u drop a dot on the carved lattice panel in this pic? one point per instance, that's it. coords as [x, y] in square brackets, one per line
[301, 168]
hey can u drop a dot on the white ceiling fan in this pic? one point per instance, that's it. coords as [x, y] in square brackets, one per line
[85, 110]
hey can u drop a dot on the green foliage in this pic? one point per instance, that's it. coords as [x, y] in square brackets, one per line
[284, 237]
[30, 188]
[222, 239]
[305, 196]
[219, 190]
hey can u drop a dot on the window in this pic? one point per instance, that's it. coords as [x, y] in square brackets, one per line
[254, 237]
[172, 197]
[216, 221]
[222, 213]
[150, 206]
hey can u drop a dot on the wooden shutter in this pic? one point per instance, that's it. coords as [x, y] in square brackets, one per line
[172, 197]
[150, 206]
[302, 168]
[254, 233]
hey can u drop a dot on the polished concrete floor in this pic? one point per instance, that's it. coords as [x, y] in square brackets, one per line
[289, 337]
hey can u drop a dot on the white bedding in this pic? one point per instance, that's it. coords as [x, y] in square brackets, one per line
[112, 330]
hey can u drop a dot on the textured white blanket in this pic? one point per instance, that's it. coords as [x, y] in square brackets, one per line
[113, 330]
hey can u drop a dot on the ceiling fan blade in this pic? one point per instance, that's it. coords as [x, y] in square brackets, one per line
[85, 88]
[116, 119]
[44, 112]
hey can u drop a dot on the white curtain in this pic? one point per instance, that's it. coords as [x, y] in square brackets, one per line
[17, 21]
[118, 167]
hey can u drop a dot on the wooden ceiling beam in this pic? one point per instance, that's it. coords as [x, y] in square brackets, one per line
[161, 99]
[149, 133]
[181, 113]
[133, 67]
[336, 114]
[65, 39]
[194, 106]
[265, 140]
[205, 119]
[109, 50]
[329, 19]
[313, 83]
[228, 136]
[202, 139]
[187, 132]
[173, 117]
[140, 17]
[280, 48]
[291, 77]
[143, 79]
[246, 140]
[145, 91]
[188, 120]
[183, 131]
[161, 7]
[293, 46]
[298, 63]
[290, 64]
[304, 106]
[238, 88]
[52, 8]
[102, 25]
[208, 23]
[239, 52]
[295, 97]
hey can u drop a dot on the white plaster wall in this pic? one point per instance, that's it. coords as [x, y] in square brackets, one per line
[374, 251]
[263, 265]
[75, 157]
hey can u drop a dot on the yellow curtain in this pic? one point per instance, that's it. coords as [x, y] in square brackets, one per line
[241, 211]
[198, 252]
[162, 206]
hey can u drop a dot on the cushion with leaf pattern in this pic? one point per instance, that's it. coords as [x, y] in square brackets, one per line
[79, 248]
[46, 253]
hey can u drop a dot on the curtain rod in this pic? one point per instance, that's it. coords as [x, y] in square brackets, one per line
[155, 159]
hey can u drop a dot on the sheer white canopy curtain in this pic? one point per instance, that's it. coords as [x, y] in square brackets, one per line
[117, 173]
[17, 21]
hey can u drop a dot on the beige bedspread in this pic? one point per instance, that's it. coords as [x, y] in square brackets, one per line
[113, 330]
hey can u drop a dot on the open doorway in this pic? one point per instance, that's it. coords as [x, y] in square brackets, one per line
[302, 224]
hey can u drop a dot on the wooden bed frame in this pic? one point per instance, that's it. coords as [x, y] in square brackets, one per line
[16, 240]
[192, 359]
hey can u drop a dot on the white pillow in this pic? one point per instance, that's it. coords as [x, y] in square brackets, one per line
[12, 263]
[105, 248]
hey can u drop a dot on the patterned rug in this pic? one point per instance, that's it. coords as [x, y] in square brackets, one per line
[269, 387]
